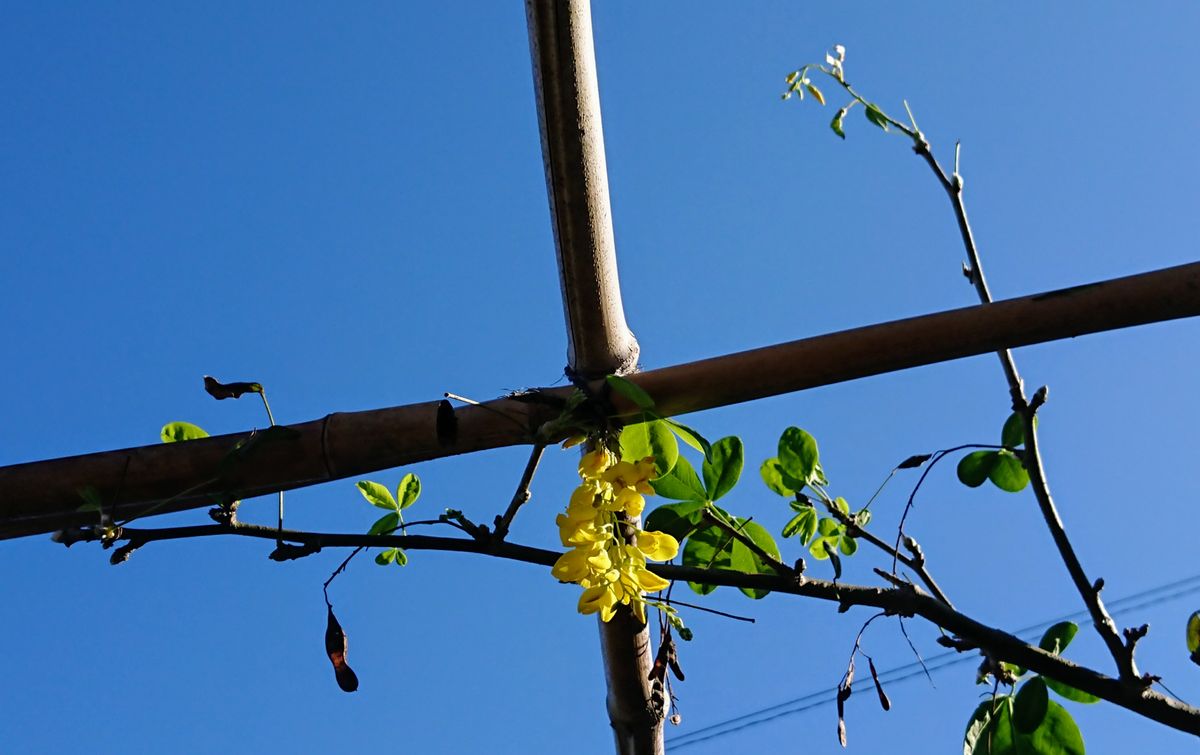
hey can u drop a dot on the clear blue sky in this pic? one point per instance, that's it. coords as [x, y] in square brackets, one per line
[348, 206]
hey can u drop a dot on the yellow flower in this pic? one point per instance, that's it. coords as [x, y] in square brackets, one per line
[657, 546]
[595, 462]
[576, 532]
[571, 566]
[649, 581]
[631, 502]
[598, 598]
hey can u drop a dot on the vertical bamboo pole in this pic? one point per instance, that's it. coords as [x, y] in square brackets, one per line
[599, 341]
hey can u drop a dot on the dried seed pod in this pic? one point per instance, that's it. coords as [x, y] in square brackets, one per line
[336, 647]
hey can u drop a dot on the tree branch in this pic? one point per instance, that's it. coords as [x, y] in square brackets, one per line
[523, 494]
[908, 600]
[1121, 652]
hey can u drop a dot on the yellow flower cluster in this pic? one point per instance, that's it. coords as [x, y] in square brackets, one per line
[608, 565]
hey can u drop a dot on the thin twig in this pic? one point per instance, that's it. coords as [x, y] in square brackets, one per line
[855, 530]
[1090, 593]
[694, 607]
[523, 494]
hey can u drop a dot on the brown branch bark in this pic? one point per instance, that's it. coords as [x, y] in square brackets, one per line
[907, 600]
[1122, 652]
[43, 496]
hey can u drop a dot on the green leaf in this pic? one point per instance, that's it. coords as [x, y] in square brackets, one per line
[701, 550]
[1031, 705]
[798, 456]
[836, 123]
[377, 495]
[681, 483]
[745, 560]
[409, 490]
[1193, 632]
[391, 556]
[1069, 692]
[652, 437]
[1013, 434]
[848, 545]
[803, 524]
[990, 732]
[772, 475]
[876, 116]
[723, 467]
[690, 436]
[385, 525]
[675, 519]
[975, 467]
[1008, 473]
[631, 391]
[1058, 734]
[383, 558]
[819, 550]
[174, 432]
[1056, 638]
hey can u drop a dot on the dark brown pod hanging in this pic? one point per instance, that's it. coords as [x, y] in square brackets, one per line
[336, 647]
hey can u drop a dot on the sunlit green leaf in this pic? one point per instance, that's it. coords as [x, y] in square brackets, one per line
[1013, 434]
[798, 455]
[1058, 637]
[743, 559]
[836, 123]
[772, 475]
[650, 438]
[174, 432]
[385, 525]
[723, 467]
[631, 391]
[1193, 632]
[975, 467]
[848, 545]
[876, 116]
[681, 483]
[803, 524]
[990, 731]
[409, 490]
[690, 436]
[377, 495]
[1008, 473]
[391, 556]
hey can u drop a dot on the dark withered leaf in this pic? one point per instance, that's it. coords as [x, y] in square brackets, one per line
[884, 702]
[221, 391]
[336, 647]
[913, 462]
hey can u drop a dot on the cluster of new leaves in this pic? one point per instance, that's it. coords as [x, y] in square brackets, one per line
[1004, 467]
[407, 492]
[798, 82]
[1029, 721]
[694, 519]
[795, 473]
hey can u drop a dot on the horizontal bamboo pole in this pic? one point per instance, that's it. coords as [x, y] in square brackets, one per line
[43, 496]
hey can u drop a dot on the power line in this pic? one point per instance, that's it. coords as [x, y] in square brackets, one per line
[1164, 593]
